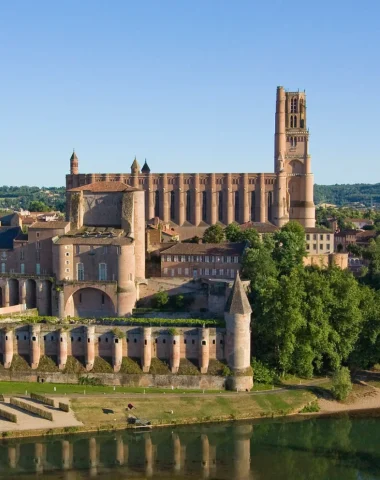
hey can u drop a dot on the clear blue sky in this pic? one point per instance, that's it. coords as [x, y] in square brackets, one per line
[188, 84]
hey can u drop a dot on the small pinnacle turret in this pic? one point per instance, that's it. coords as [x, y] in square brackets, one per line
[74, 164]
[238, 301]
[145, 168]
[135, 167]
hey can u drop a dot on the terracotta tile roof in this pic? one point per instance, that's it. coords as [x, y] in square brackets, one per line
[104, 187]
[261, 227]
[48, 225]
[230, 248]
[317, 230]
[94, 241]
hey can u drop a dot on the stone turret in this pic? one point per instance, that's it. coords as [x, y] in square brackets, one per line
[135, 167]
[238, 336]
[74, 164]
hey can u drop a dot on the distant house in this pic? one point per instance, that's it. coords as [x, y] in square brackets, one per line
[205, 260]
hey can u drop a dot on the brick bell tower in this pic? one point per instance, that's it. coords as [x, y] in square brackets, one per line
[292, 163]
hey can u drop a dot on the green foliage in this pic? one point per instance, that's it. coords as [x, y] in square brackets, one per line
[159, 367]
[90, 381]
[101, 365]
[74, 365]
[19, 364]
[233, 232]
[355, 249]
[173, 331]
[161, 299]
[342, 385]
[130, 366]
[289, 246]
[42, 399]
[38, 206]
[214, 234]
[312, 407]
[31, 408]
[186, 367]
[47, 364]
[15, 198]
[216, 367]
[262, 373]
[118, 333]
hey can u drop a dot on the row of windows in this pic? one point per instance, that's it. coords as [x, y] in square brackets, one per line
[102, 272]
[293, 140]
[22, 268]
[200, 272]
[79, 339]
[201, 258]
[315, 246]
[321, 236]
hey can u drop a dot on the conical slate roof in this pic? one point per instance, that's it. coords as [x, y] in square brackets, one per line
[238, 300]
[74, 156]
[135, 165]
[145, 168]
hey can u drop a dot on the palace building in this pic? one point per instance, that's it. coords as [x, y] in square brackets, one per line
[203, 199]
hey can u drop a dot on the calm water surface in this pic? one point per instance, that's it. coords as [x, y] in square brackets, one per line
[319, 448]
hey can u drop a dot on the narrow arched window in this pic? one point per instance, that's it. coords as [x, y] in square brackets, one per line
[204, 206]
[295, 121]
[294, 105]
[157, 204]
[188, 206]
[237, 207]
[291, 121]
[172, 205]
[253, 205]
[220, 206]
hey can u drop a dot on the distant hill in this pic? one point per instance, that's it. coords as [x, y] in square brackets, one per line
[365, 193]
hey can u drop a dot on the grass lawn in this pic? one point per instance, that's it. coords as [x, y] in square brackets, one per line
[66, 388]
[191, 409]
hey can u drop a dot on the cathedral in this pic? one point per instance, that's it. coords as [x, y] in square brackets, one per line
[202, 199]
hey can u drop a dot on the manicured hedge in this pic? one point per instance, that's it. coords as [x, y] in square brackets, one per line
[12, 417]
[64, 407]
[42, 399]
[31, 408]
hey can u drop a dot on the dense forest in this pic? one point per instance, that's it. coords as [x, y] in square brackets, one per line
[53, 198]
[365, 193]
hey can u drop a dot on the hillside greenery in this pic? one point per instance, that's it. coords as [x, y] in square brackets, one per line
[34, 199]
[364, 193]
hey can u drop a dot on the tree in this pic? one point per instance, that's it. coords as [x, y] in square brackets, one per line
[342, 385]
[214, 234]
[161, 299]
[233, 232]
[38, 206]
[355, 249]
[289, 246]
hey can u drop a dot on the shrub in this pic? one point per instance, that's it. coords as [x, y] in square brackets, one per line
[173, 331]
[74, 365]
[101, 365]
[91, 381]
[161, 299]
[262, 373]
[12, 417]
[42, 399]
[311, 407]
[186, 367]
[159, 367]
[342, 385]
[47, 364]
[64, 407]
[31, 408]
[130, 366]
[226, 371]
[118, 333]
[216, 367]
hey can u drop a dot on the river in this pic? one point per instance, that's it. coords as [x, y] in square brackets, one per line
[288, 448]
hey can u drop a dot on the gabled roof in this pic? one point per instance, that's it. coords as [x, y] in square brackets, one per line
[238, 300]
[103, 187]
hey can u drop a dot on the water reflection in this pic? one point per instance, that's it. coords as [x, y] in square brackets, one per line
[312, 449]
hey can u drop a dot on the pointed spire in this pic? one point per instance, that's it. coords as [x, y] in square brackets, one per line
[135, 167]
[238, 300]
[74, 155]
[74, 164]
[145, 168]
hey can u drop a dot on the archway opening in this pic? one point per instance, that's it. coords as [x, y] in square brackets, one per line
[14, 295]
[91, 302]
[31, 293]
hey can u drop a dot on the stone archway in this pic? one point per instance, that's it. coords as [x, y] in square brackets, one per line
[90, 302]
[31, 293]
[14, 292]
